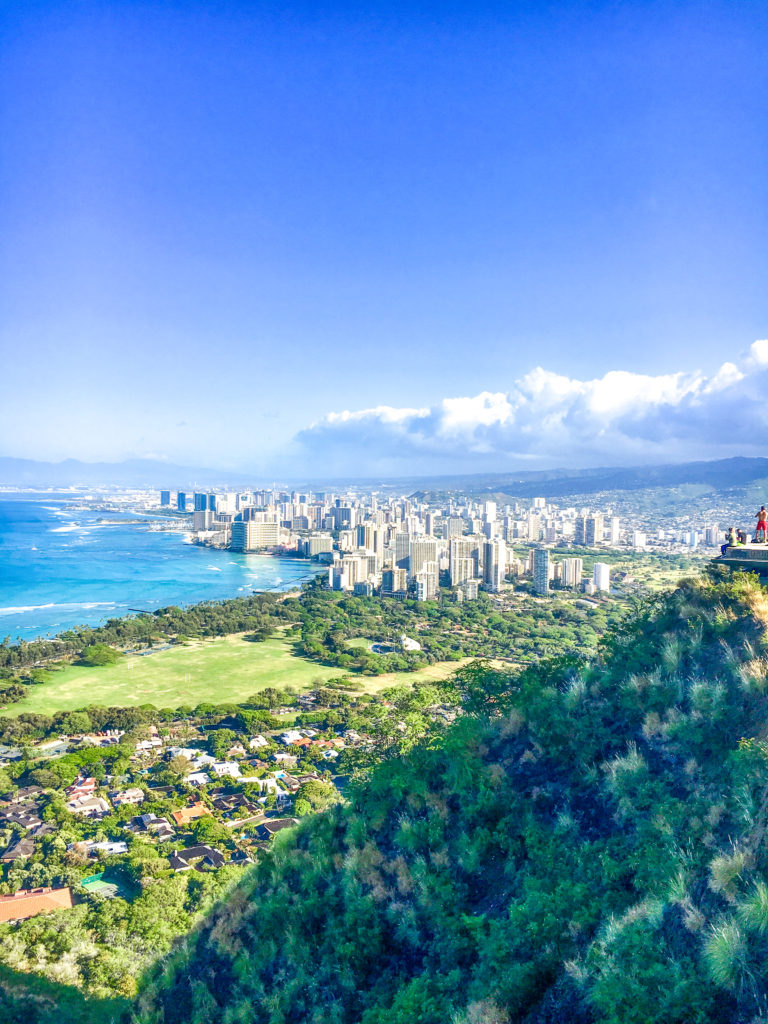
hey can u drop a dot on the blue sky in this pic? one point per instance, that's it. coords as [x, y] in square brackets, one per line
[383, 237]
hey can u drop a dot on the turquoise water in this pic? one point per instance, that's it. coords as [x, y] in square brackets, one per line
[61, 568]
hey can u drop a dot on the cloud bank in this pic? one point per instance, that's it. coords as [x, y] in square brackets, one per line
[545, 420]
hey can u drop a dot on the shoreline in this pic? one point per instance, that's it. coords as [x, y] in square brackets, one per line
[69, 585]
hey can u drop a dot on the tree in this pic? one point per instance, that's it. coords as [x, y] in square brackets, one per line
[180, 765]
[99, 654]
[208, 830]
[317, 795]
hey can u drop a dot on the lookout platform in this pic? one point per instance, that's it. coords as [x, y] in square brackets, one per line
[750, 557]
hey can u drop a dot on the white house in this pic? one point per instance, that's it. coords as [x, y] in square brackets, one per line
[228, 768]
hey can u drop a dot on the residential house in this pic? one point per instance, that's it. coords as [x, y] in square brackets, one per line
[110, 848]
[198, 778]
[89, 806]
[268, 829]
[255, 742]
[81, 787]
[189, 814]
[31, 902]
[23, 817]
[229, 769]
[134, 795]
[22, 848]
[25, 794]
[206, 856]
[158, 828]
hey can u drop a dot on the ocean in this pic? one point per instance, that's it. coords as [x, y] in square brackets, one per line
[61, 568]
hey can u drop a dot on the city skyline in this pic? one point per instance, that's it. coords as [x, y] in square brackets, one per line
[383, 241]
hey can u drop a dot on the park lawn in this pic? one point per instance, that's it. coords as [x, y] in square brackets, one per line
[223, 670]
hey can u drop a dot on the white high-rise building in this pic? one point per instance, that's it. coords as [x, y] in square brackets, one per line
[614, 528]
[601, 576]
[427, 582]
[495, 564]
[423, 549]
[534, 527]
[573, 569]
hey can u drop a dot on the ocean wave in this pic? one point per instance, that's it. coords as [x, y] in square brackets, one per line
[66, 529]
[85, 606]
[215, 568]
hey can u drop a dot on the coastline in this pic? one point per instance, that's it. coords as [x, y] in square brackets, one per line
[60, 569]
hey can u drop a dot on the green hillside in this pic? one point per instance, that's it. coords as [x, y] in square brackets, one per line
[587, 844]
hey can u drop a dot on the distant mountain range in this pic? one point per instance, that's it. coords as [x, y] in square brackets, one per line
[131, 473]
[722, 474]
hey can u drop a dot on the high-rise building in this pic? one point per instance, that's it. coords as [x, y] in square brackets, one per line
[601, 576]
[534, 527]
[614, 528]
[402, 551]
[454, 527]
[394, 582]
[201, 501]
[165, 497]
[426, 582]
[422, 550]
[573, 569]
[318, 544]
[541, 570]
[589, 530]
[202, 519]
[494, 564]
[253, 535]
[181, 501]
[461, 565]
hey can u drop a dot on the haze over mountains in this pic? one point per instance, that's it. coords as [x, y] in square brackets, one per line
[720, 474]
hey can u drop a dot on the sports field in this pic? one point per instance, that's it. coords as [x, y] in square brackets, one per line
[227, 669]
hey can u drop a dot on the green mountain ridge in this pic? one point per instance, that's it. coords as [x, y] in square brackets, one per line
[586, 844]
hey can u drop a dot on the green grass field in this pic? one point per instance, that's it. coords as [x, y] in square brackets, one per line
[227, 669]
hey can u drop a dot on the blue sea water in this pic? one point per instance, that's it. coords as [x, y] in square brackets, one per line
[61, 567]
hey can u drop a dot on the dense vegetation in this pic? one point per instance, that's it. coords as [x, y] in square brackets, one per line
[586, 844]
[325, 622]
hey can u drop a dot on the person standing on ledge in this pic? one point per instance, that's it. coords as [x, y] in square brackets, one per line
[762, 524]
[730, 540]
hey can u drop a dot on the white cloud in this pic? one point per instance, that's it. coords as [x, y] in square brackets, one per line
[549, 419]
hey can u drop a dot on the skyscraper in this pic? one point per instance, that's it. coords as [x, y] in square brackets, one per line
[181, 501]
[423, 549]
[573, 569]
[402, 553]
[495, 564]
[165, 497]
[541, 570]
[601, 576]
[461, 561]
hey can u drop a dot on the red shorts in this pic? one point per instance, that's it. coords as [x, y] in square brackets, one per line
[760, 526]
